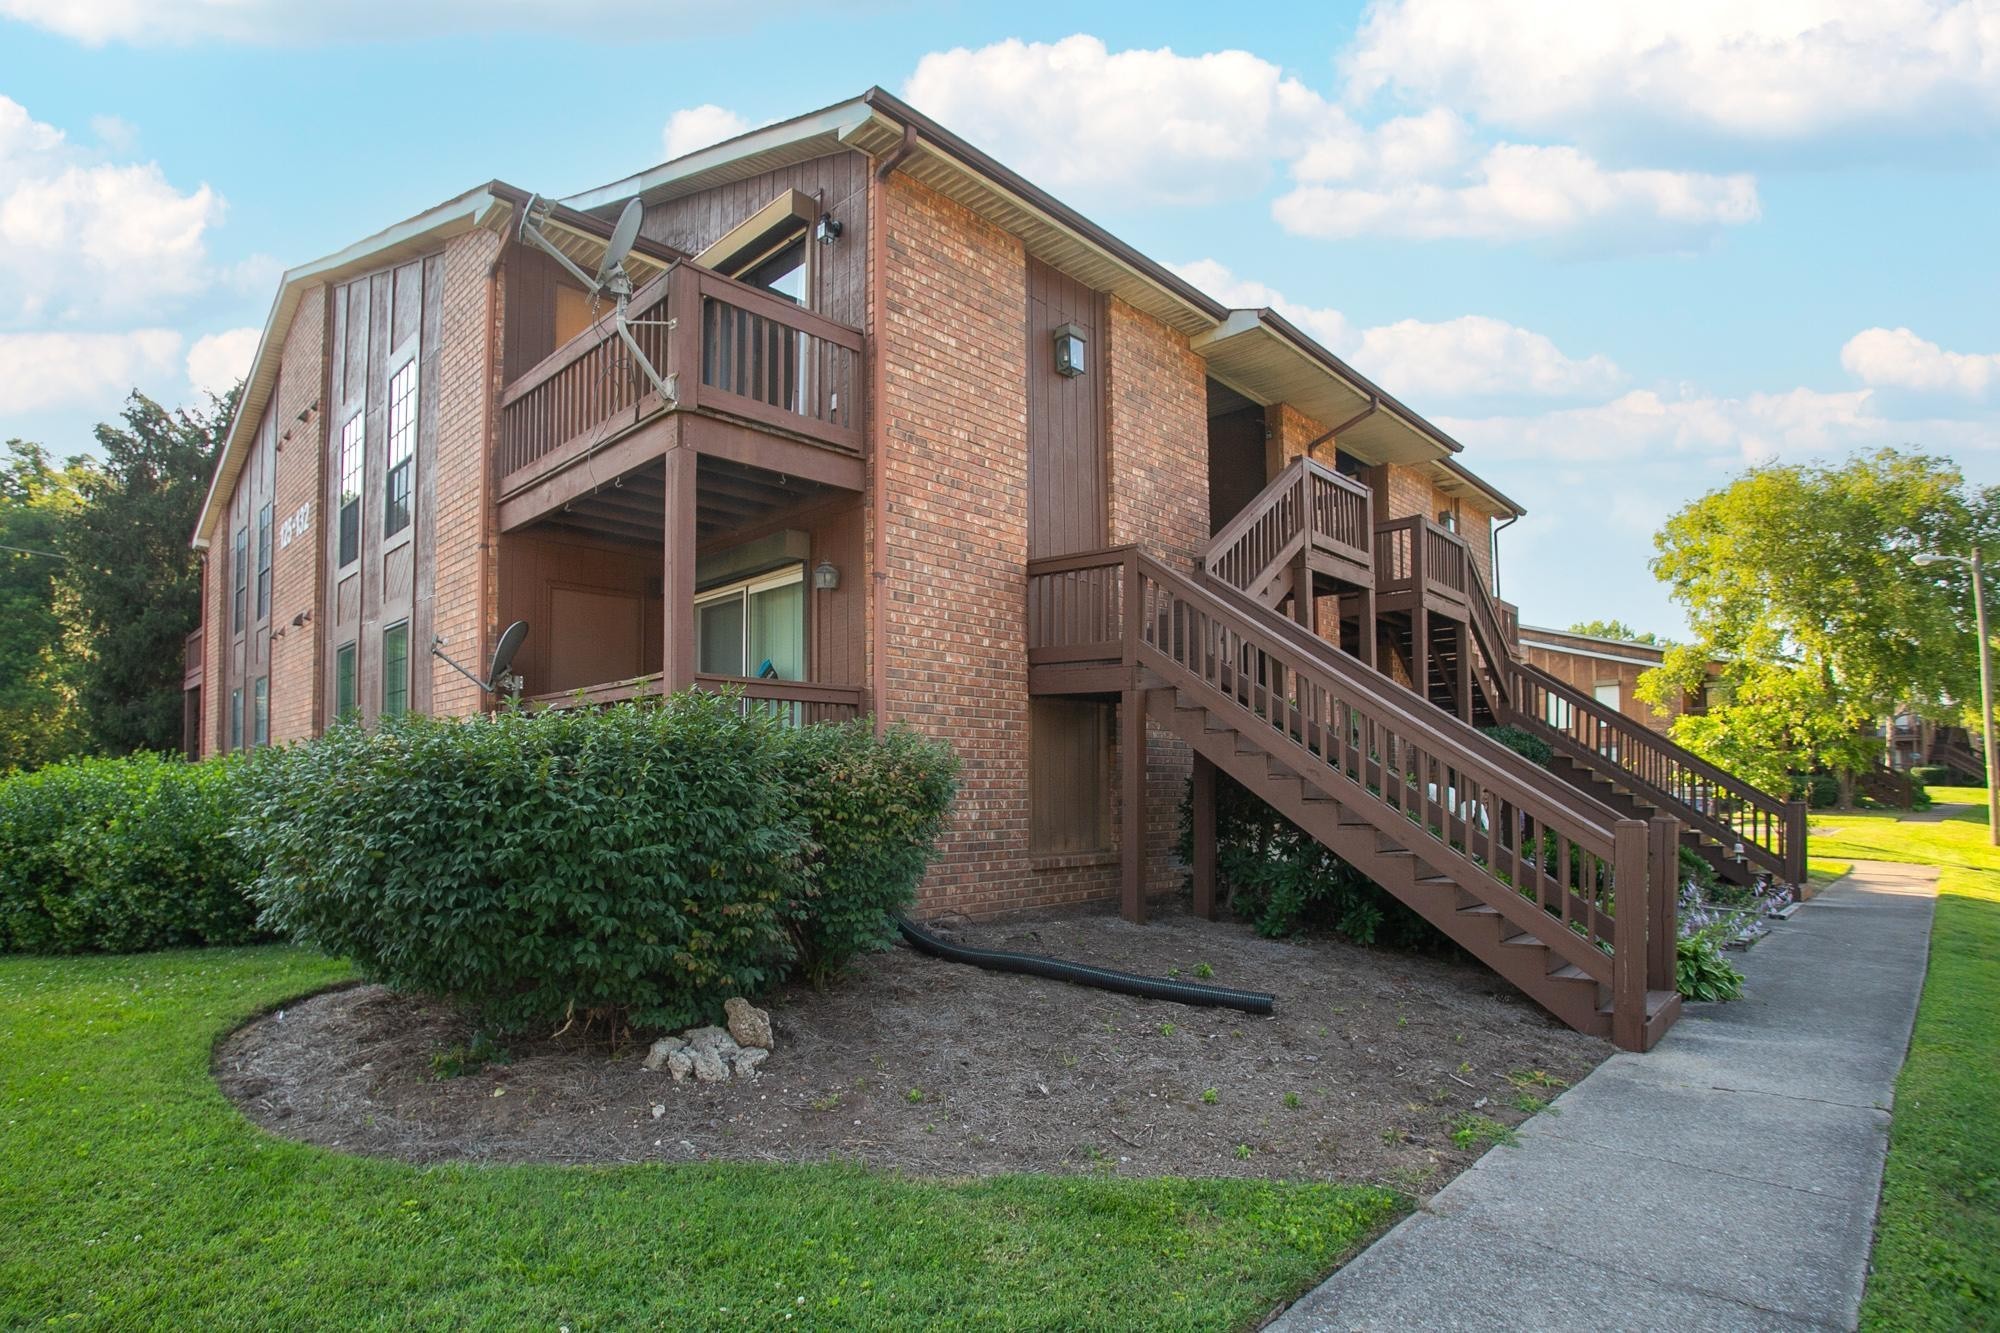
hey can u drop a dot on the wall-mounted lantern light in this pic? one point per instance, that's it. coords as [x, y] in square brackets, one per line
[1069, 351]
[827, 230]
[825, 577]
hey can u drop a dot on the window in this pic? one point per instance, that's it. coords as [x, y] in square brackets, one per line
[779, 269]
[396, 670]
[352, 445]
[239, 562]
[1069, 777]
[402, 449]
[1606, 694]
[236, 718]
[260, 712]
[345, 697]
[754, 628]
[264, 563]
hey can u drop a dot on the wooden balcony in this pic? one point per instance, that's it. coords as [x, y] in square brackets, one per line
[781, 385]
[192, 663]
[795, 702]
[1418, 561]
[1308, 513]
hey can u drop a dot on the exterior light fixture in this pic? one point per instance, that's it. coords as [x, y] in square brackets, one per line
[825, 577]
[827, 230]
[1069, 351]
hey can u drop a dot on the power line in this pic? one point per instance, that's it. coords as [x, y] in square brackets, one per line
[22, 550]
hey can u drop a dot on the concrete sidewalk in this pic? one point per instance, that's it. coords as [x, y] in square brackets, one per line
[1727, 1180]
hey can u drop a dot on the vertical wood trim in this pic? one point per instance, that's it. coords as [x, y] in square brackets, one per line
[677, 654]
[1663, 886]
[1628, 963]
[1132, 809]
[1203, 801]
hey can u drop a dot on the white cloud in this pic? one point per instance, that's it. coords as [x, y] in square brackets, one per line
[1131, 126]
[216, 362]
[1454, 358]
[45, 370]
[697, 127]
[1476, 354]
[1772, 70]
[74, 233]
[1524, 191]
[1899, 359]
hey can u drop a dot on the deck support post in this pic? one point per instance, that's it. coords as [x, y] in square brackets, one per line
[1630, 864]
[1305, 608]
[1464, 685]
[1132, 836]
[1203, 799]
[1663, 931]
[677, 659]
[1366, 642]
[1420, 649]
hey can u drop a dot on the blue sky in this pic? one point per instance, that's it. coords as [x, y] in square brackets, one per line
[1620, 251]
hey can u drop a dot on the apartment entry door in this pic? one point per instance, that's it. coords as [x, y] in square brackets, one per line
[1066, 496]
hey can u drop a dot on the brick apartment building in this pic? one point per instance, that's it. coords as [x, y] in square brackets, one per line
[933, 448]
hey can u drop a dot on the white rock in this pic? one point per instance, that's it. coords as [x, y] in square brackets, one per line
[748, 1059]
[748, 1024]
[658, 1110]
[709, 1065]
[712, 1039]
[680, 1064]
[663, 1048]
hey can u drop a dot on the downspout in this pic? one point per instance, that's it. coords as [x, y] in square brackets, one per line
[1494, 549]
[490, 389]
[1374, 406]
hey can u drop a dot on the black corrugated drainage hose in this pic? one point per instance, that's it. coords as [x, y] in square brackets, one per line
[1153, 988]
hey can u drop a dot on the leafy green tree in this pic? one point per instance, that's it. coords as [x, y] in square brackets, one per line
[1798, 580]
[1616, 629]
[137, 582]
[39, 721]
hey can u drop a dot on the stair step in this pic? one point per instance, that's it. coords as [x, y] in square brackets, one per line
[1479, 909]
[1571, 972]
[1435, 879]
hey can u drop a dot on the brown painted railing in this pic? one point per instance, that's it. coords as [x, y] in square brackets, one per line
[1514, 836]
[1770, 833]
[1414, 553]
[724, 347]
[1886, 786]
[795, 702]
[191, 661]
[1307, 502]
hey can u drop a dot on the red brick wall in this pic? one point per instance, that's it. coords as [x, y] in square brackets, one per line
[1157, 432]
[1410, 492]
[464, 591]
[295, 567]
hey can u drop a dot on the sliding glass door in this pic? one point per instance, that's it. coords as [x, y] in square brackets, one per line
[754, 628]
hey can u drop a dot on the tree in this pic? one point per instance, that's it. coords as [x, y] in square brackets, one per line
[137, 582]
[39, 721]
[1798, 581]
[1616, 629]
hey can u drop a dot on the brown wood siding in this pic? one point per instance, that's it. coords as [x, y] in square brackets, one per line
[247, 650]
[378, 320]
[541, 301]
[539, 572]
[839, 270]
[1066, 510]
[1236, 463]
[1069, 777]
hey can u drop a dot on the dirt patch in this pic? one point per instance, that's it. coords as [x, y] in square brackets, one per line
[1371, 1061]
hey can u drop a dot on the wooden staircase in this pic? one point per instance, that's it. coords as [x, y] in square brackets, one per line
[1574, 908]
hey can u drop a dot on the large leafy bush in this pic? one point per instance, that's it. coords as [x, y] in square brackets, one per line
[874, 807]
[122, 855]
[636, 864]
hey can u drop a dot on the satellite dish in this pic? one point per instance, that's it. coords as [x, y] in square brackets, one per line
[497, 680]
[504, 651]
[622, 237]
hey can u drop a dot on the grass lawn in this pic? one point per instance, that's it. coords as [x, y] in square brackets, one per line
[1937, 1242]
[1958, 795]
[133, 1196]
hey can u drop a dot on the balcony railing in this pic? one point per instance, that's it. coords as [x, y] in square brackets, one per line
[795, 702]
[723, 346]
[191, 661]
[1415, 554]
[1305, 503]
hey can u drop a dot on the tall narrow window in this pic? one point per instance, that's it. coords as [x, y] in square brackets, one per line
[236, 719]
[396, 670]
[345, 697]
[351, 448]
[260, 711]
[239, 563]
[402, 449]
[264, 563]
[754, 628]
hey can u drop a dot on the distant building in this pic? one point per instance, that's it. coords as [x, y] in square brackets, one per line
[1606, 669]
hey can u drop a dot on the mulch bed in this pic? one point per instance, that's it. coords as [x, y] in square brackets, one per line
[938, 1069]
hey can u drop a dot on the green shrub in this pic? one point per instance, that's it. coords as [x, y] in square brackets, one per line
[1283, 881]
[1524, 743]
[1696, 868]
[1820, 791]
[122, 855]
[1702, 973]
[1937, 775]
[631, 864]
[875, 808]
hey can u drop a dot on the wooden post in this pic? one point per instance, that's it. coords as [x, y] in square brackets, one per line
[1203, 798]
[677, 659]
[1368, 630]
[1628, 961]
[1795, 845]
[1464, 686]
[1664, 888]
[1304, 608]
[1420, 648]
[1132, 837]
